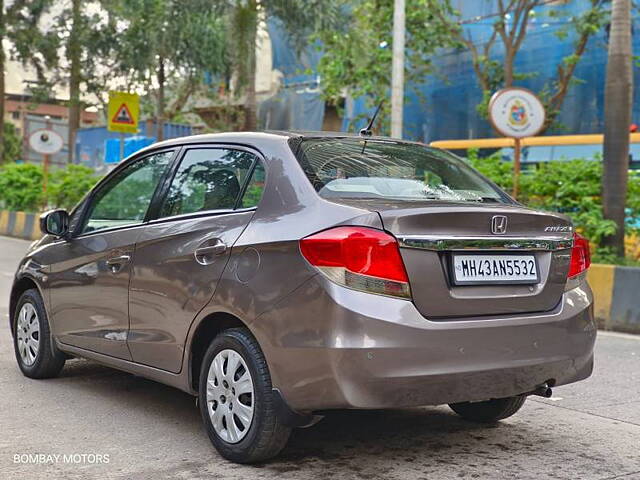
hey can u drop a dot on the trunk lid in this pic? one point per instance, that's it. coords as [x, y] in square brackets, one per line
[431, 233]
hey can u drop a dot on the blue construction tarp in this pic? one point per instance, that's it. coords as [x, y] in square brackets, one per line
[444, 106]
[91, 142]
[298, 104]
[112, 147]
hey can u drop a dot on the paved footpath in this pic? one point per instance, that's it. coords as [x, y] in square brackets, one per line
[587, 431]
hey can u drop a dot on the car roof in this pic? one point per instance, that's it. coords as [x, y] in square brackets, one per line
[245, 138]
[233, 137]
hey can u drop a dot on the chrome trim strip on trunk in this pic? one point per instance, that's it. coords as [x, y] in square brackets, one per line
[441, 243]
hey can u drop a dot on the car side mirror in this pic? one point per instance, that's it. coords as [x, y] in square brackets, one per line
[55, 222]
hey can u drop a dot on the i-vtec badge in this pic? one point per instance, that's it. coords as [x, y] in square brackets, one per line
[558, 228]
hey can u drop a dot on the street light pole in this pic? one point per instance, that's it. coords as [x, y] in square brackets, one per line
[397, 68]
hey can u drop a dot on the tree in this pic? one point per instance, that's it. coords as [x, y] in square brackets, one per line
[617, 113]
[19, 26]
[84, 40]
[510, 28]
[11, 144]
[163, 40]
[300, 18]
[358, 59]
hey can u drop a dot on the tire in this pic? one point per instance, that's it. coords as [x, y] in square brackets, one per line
[490, 411]
[265, 436]
[41, 358]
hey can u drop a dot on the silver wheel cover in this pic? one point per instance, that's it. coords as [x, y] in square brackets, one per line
[28, 334]
[230, 396]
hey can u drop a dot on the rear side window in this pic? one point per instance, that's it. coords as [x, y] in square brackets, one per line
[255, 187]
[386, 169]
[207, 179]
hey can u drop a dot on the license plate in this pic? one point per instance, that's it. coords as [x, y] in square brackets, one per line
[486, 269]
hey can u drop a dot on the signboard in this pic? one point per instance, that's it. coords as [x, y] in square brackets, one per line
[123, 112]
[516, 113]
[46, 141]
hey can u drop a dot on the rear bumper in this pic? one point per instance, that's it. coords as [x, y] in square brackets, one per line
[330, 347]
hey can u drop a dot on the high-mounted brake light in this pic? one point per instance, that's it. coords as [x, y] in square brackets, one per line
[361, 258]
[580, 255]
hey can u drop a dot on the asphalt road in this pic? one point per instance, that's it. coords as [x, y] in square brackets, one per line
[144, 430]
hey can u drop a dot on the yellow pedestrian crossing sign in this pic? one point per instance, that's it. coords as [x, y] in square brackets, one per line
[123, 112]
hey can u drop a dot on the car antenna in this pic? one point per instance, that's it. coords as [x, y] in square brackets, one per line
[367, 132]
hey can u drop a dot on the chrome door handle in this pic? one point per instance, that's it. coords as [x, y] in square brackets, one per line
[115, 264]
[204, 255]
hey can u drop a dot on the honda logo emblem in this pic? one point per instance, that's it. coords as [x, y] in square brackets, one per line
[499, 225]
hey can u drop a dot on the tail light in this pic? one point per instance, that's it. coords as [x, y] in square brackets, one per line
[580, 255]
[361, 258]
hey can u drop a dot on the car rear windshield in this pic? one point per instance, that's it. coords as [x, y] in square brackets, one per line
[381, 169]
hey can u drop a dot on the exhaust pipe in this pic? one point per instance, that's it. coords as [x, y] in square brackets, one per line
[543, 390]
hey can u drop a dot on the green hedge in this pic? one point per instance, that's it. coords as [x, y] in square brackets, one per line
[21, 187]
[572, 187]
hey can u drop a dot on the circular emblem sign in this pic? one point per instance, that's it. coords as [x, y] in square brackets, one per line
[46, 142]
[516, 112]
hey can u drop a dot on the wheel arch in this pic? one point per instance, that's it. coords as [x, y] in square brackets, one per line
[20, 286]
[210, 326]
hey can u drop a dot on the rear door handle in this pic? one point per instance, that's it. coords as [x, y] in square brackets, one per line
[115, 264]
[206, 255]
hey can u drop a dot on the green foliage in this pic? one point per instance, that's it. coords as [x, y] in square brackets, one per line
[21, 187]
[150, 45]
[571, 187]
[12, 144]
[359, 58]
[28, 42]
[499, 172]
[607, 255]
[67, 186]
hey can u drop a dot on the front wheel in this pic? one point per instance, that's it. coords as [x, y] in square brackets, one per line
[489, 411]
[36, 353]
[236, 399]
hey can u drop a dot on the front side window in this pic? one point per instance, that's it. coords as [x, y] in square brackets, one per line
[207, 179]
[125, 198]
[386, 169]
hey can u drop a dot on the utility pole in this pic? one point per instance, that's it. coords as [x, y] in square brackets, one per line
[397, 68]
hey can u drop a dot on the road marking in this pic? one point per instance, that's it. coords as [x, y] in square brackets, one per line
[629, 336]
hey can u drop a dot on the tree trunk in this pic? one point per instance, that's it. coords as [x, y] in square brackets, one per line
[509, 58]
[617, 119]
[2, 35]
[250, 105]
[160, 101]
[74, 51]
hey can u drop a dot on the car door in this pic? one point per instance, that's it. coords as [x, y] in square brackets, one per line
[89, 272]
[181, 255]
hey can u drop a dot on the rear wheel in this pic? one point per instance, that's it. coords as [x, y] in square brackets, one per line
[490, 411]
[36, 353]
[236, 399]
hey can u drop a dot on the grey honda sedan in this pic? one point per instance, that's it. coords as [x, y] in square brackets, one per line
[277, 276]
